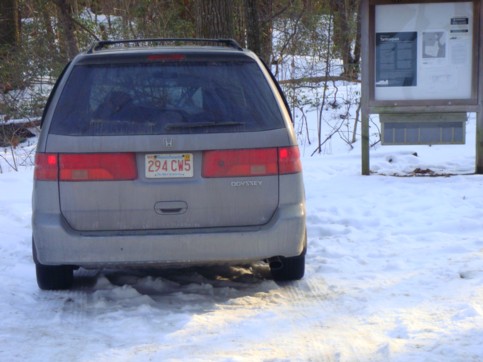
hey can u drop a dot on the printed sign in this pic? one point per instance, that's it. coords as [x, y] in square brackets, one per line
[424, 51]
[396, 59]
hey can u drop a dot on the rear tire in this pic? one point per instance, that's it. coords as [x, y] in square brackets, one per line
[288, 269]
[54, 277]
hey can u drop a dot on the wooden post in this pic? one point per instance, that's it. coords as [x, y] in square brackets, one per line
[365, 84]
[479, 113]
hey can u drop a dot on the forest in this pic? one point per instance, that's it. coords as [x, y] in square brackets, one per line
[309, 44]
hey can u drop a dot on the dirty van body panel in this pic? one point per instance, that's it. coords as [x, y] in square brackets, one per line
[145, 204]
[170, 105]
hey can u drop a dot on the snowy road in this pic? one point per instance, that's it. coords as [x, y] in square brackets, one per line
[394, 273]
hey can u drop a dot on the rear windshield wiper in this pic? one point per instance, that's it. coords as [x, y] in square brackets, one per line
[202, 125]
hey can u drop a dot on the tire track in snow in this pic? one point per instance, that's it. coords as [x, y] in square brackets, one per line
[326, 326]
[307, 298]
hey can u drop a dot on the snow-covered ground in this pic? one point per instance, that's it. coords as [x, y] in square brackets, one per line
[394, 273]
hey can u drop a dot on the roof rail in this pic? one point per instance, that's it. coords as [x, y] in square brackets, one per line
[106, 43]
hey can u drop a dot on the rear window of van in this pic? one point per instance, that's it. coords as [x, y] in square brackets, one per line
[165, 98]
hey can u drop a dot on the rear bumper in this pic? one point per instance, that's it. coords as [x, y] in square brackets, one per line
[56, 243]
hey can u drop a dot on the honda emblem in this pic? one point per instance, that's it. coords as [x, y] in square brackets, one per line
[168, 142]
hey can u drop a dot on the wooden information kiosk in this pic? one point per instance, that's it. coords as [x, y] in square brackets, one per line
[421, 64]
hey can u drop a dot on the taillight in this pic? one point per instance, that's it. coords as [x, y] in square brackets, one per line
[46, 167]
[97, 167]
[289, 160]
[251, 162]
[231, 163]
[85, 167]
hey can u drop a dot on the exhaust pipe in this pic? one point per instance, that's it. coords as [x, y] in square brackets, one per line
[275, 263]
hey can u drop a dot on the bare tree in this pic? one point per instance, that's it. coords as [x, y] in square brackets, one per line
[258, 14]
[347, 28]
[9, 41]
[214, 18]
[67, 27]
[248, 21]
[9, 23]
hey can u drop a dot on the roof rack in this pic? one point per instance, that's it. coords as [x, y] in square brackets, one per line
[106, 43]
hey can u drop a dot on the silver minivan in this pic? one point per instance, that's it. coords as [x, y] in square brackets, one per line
[160, 153]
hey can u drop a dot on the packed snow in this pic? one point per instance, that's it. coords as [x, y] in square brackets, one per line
[394, 273]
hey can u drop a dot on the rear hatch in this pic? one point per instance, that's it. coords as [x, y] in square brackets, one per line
[167, 141]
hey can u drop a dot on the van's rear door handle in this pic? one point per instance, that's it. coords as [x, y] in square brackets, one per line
[170, 207]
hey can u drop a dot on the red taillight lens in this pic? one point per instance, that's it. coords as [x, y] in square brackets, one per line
[97, 167]
[46, 167]
[289, 160]
[230, 163]
[253, 162]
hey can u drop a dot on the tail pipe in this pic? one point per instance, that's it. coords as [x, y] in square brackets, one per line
[275, 263]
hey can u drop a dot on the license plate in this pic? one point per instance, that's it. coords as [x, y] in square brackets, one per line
[172, 165]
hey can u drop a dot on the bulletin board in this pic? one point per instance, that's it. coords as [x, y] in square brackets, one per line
[424, 51]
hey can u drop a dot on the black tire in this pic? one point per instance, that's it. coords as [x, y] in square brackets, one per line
[54, 277]
[288, 269]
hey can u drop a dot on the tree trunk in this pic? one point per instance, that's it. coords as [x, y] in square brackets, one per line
[258, 14]
[214, 18]
[253, 26]
[266, 18]
[9, 44]
[9, 24]
[346, 25]
[239, 22]
[67, 28]
[47, 25]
